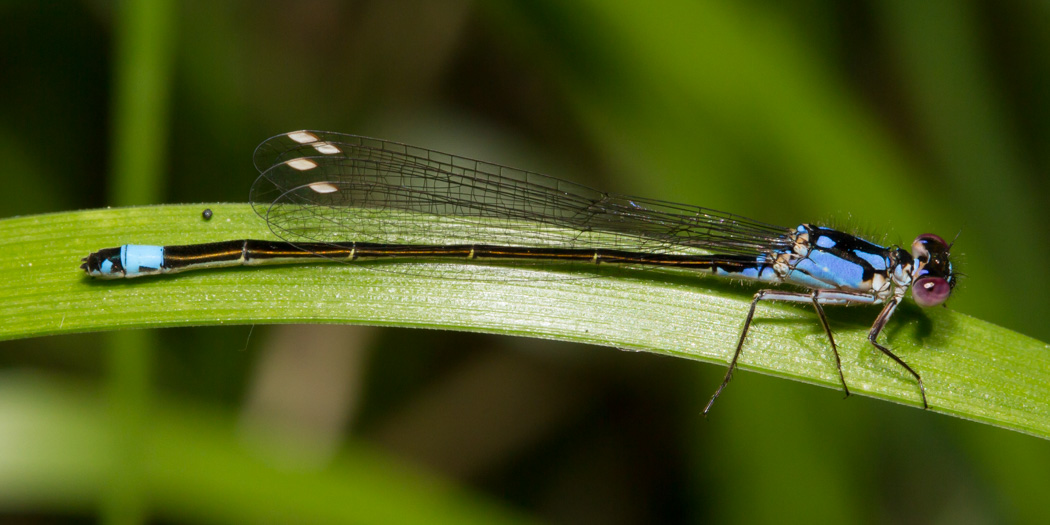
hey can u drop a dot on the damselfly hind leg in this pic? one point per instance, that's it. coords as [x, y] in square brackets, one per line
[815, 298]
[873, 335]
[827, 330]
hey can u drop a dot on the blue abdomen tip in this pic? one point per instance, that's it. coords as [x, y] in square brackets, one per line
[139, 258]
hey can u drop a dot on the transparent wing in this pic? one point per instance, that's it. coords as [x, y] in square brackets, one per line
[328, 187]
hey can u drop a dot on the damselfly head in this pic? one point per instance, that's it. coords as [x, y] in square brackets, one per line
[934, 279]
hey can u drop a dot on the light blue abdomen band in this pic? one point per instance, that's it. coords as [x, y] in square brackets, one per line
[137, 258]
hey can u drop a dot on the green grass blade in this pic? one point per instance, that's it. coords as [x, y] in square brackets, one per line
[201, 469]
[144, 58]
[972, 369]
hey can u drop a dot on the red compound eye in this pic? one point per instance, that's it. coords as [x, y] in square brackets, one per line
[930, 291]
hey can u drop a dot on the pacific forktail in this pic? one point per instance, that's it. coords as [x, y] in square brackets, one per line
[318, 191]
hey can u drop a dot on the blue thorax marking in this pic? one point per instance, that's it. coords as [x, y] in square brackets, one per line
[837, 260]
[759, 272]
[822, 258]
[825, 242]
[828, 270]
[877, 261]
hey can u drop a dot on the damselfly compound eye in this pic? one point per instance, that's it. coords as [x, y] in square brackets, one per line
[927, 245]
[930, 291]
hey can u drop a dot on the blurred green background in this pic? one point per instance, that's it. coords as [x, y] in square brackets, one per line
[891, 118]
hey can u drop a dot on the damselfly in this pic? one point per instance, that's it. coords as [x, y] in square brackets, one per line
[330, 196]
